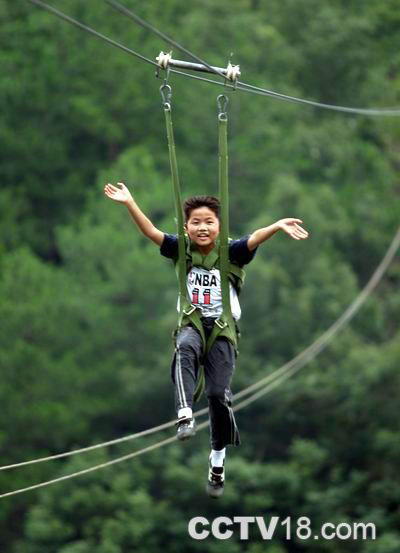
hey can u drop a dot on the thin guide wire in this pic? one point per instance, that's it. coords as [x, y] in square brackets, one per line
[284, 372]
[243, 87]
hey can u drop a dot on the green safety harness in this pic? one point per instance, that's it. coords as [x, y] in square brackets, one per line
[189, 255]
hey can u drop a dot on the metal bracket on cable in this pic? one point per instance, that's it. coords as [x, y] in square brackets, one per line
[164, 60]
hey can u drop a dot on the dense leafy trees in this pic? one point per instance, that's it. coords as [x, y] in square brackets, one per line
[87, 305]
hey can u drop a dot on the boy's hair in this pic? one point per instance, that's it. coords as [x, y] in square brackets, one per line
[201, 201]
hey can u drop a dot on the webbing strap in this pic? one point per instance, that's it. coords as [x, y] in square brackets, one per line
[226, 319]
[224, 201]
[178, 207]
[225, 325]
[186, 310]
[188, 313]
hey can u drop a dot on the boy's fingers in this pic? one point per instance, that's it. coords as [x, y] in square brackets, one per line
[300, 234]
[300, 229]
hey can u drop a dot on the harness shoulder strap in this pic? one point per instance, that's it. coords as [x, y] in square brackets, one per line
[188, 313]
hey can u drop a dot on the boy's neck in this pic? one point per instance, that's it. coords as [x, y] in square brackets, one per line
[205, 250]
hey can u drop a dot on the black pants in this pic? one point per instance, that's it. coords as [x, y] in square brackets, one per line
[219, 366]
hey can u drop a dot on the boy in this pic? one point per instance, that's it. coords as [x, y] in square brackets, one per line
[204, 290]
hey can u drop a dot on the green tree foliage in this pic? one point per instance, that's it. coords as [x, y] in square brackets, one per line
[87, 304]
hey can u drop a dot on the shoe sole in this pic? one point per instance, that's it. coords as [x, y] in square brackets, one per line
[215, 493]
[185, 435]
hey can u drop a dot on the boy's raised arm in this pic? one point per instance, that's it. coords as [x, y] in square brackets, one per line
[122, 195]
[288, 225]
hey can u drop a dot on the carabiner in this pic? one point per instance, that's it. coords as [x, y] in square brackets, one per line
[166, 94]
[222, 102]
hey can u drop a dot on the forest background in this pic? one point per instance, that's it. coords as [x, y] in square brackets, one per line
[87, 305]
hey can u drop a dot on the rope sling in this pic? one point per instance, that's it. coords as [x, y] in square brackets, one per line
[225, 325]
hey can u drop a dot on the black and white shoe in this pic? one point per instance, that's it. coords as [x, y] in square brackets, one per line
[186, 428]
[216, 480]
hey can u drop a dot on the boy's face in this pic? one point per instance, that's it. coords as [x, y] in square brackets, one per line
[203, 228]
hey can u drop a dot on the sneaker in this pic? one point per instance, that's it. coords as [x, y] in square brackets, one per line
[186, 428]
[216, 480]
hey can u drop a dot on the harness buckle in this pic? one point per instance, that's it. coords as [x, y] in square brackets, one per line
[191, 310]
[221, 324]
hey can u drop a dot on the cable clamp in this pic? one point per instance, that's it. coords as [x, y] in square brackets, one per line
[164, 59]
[163, 63]
[232, 72]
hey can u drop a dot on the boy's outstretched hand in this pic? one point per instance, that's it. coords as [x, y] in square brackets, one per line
[120, 194]
[291, 228]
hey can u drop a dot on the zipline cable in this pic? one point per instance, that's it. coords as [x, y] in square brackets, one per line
[291, 368]
[91, 469]
[157, 445]
[88, 29]
[244, 87]
[360, 111]
[97, 446]
[128, 13]
[307, 354]
[320, 344]
[109, 40]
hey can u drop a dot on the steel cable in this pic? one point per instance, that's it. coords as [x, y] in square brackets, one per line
[88, 29]
[116, 5]
[344, 109]
[289, 368]
[157, 445]
[279, 375]
[244, 87]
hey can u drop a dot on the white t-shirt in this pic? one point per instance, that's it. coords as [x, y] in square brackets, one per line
[204, 287]
[204, 291]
